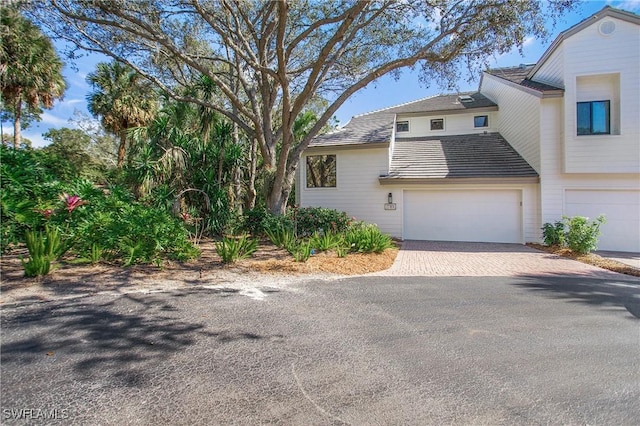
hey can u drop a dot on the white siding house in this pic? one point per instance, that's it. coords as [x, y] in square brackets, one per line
[536, 142]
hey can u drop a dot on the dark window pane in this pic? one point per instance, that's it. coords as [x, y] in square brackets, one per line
[600, 117]
[321, 171]
[481, 121]
[437, 124]
[402, 126]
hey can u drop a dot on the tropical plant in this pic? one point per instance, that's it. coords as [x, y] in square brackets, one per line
[189, 149]
[367, 238]
[43, 247]
[301, 251]
[30, 70]
[281, 236]
[326, 241]
[122, 99]
[232, 249]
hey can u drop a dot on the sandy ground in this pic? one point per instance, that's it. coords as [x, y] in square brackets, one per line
[268, 267]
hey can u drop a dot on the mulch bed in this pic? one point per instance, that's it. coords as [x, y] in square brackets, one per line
[590, 259]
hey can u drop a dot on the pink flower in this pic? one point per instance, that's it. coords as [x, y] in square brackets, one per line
[72, 201]
[185, 216]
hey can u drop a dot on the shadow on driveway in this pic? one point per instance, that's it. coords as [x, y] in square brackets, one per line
[595, 292]
[111, 337]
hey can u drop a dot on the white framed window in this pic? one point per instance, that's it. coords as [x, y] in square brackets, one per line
[437, 124]
[481, 121]
[402, 126]
[594, 118]
[321, 171]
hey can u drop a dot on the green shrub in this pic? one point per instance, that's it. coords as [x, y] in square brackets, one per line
[367, 238]
[252, 220]
[553, 235]
[582, 234]
[43, 247]
[309, 220]
[123, 229]
[231, 249]
[577, 233]
[271, 221]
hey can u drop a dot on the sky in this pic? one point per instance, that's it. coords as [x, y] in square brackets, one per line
[383, 93]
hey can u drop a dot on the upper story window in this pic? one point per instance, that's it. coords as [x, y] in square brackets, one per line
[402, 126]
[481, 121]
[321, 171]
[437, 124]
[594, 118]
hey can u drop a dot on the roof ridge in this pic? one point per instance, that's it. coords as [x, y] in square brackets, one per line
[395, 106]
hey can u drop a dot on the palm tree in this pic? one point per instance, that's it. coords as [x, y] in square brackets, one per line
[122, 99]
[30, 70]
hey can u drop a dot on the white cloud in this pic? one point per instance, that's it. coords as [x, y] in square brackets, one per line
[628, 5]
[527, 41]
[73, 101]
[50, 120]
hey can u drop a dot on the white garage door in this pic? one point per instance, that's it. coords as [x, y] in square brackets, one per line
[622, 211]
[478, 215]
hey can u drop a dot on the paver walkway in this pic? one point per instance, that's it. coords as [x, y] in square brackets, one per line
[437, 258]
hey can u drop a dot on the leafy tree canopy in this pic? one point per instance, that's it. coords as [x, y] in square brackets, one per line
[269, 60]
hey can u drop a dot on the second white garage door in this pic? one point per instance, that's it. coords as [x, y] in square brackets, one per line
[621, 232]
[469, 215]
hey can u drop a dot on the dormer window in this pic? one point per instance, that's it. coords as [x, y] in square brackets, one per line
[402, 126]
[594, 118]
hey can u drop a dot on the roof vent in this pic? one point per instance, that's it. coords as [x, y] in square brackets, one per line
[465, 98]
[607, 28]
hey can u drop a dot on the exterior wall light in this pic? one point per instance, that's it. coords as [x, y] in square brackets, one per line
[390, 198]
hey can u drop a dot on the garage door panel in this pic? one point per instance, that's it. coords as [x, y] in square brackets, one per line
[478, 215]
[621, 232]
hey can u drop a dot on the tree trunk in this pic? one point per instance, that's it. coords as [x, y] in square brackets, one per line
[250, 200]
[277, 198]
[16, 122]
[122, 148]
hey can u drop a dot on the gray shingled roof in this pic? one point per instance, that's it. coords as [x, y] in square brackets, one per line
[369, 128]
[443, 103]
[376, 127]
[519, 74]
[461, 156]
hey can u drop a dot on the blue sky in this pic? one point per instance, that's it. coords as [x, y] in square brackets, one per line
[384, 93]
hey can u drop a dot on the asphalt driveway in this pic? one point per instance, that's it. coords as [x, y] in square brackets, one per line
[362, 351]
